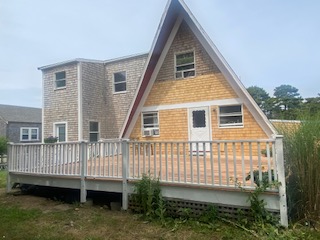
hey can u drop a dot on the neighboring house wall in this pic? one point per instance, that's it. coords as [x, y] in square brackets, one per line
[209, 84]
[61, 105]
[3, 128]
[14, 131]
[119, 103]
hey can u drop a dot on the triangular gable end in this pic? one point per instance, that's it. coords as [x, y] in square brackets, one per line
[175, 12]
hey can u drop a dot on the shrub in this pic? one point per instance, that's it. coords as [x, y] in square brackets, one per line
[3, 145]
[51, 139]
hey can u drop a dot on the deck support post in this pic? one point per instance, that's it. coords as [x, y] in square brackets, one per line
[83, 164]
[125, 161]
[282, 180]
[10, 151]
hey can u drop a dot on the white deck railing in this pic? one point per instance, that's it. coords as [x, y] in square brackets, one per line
[226, 164]
[214, 163]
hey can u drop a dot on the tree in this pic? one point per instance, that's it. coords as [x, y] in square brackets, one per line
[261, 97]
[287, 97]
[312, 105]
[3, 145]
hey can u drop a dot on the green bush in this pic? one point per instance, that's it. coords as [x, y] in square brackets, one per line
[3, 145]
[302, 156]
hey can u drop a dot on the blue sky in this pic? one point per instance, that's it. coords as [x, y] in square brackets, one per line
[266, 42]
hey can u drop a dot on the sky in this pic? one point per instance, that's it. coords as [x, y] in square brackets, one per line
[267, 42]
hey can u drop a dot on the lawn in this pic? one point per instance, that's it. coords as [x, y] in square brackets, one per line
[32, 217]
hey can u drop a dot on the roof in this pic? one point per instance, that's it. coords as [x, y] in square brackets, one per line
[77, 60]
[11, 113]
[175, 12]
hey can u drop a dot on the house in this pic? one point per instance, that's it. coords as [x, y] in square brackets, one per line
[180, 96]
[20, 124]
[183, 89]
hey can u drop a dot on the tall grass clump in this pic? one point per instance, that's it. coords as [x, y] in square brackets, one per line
[302, 156]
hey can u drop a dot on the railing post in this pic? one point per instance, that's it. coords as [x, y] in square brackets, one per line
[9, 164]
[125, 165]
[83, 164]
[282, 180]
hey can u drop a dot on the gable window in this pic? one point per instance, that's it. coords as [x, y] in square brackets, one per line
[150, 124]
[185, 66]
[29, 134]
[60, 132]
[94, 131]
[60, 79]
[120, 82]
[230, 116]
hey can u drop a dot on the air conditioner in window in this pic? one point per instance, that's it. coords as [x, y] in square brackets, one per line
[147, 132]
[155, 131]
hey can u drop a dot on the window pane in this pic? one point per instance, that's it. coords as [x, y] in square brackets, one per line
[60, 83]
[62, 133]
[230, 109]
[120, 77]
[25, 137]
[94, 126]
[231, 120]
[94, 137]
[150, 120]
[184, 58]
[199, 119]
[34, 134]
[60, 75]
[25, 131]
[119, 87]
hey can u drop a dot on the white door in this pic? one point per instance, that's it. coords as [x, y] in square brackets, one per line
[199, 127]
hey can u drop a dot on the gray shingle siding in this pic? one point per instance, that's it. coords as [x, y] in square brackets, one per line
[13, 131]
[98, 100]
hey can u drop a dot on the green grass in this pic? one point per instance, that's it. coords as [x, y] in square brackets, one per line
[3, 178]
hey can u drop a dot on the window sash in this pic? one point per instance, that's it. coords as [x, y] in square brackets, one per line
[150, 120]
[60, 80]
[61, 132]
[185, 66]
[93, 131]
[29, 134]
[120, 81]
[230, 116]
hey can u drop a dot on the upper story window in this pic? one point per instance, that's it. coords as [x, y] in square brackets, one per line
[150, 124]
[185, 66]
[94, 131]
[29, 134]
[230, 116]
[120, 82]
[60, 79]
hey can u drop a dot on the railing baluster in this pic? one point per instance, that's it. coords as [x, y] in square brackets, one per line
[139, 153]
[204, 162]
[160, 160]
[227, 162]
[274, 162]
[166, 155]
[178, 162]
[234, 163]
[155, 159]
[172, 165]
[269, 164]
[198, 165]
[219, 163]
[251, 167]
[242, 164]
[259, 162]
[184, 163]
[212, 164]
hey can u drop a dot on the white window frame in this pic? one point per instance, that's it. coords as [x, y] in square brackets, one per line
[95, 132]
[29, 133]
[231, 114]
[55, 130]
[154, 128]
[183, 71]
[115, 83]
[60, 80]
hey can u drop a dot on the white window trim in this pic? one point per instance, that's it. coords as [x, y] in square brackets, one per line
[235, 125]
[94, 131]
[54, 129]
[29, 134]
[55, 80]
[114, 83]
[194, 62]
[150, 128]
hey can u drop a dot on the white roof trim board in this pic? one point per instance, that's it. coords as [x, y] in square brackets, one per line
[179, 6]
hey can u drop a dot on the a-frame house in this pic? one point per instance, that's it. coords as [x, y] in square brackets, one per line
[188, 91]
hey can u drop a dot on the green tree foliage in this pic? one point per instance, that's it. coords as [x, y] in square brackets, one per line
[287, 96]
[3, 145]
[312, 105]
[261, 97]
